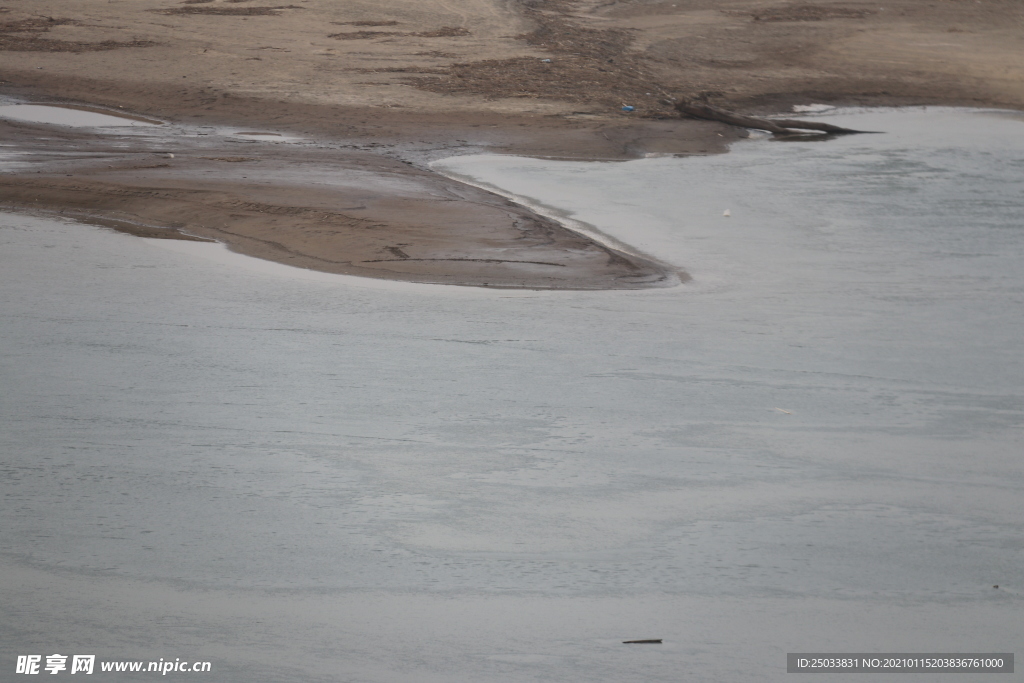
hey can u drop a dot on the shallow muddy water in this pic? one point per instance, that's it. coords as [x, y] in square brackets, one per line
[69, 116]
[813, 446]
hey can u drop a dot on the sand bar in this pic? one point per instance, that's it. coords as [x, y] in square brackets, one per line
[377, 92]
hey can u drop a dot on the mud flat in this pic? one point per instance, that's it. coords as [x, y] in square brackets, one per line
[305, 204]
[377, 92]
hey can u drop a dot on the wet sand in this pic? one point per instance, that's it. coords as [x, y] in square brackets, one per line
[307, 205]
[379, 92]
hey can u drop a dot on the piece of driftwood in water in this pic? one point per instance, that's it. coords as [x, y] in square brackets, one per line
[702, 110]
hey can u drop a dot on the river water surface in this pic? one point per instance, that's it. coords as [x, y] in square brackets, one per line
[814, 445]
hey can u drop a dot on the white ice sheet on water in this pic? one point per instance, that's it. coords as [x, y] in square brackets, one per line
[814, 446]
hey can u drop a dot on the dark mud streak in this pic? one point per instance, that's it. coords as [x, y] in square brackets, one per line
[443, 32]
[25, 35]
[227, 11]
[475, 260]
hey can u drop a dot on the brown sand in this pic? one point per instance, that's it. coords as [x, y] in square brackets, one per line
[388, 86]
[348, 211]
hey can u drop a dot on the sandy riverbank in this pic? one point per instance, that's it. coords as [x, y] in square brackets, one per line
[386, 89]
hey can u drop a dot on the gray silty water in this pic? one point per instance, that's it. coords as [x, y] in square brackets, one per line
[826, 421]
[68, 116]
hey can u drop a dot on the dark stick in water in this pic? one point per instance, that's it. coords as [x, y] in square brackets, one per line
[702, 110]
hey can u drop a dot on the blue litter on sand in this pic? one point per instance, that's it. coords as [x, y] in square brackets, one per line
[626, 107]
